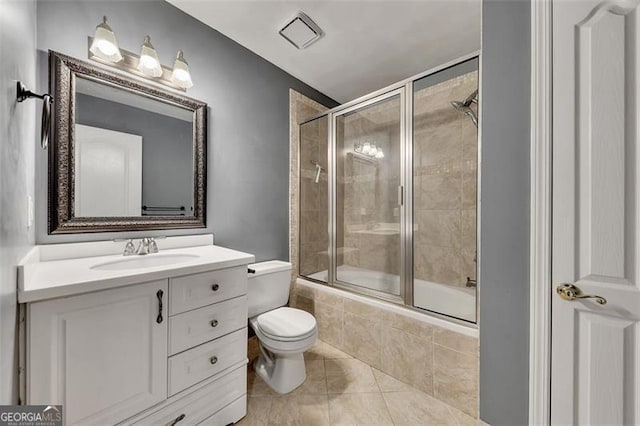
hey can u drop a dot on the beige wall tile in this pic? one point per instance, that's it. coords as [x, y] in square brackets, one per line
[439, 228]
[410, 325]
[408, 358]
[456, 379]
[362, 309]
[330, 323]
[304, 304]
[438, 264]
[455, 341]
[328, 298]
[363, 339]
[438, 192]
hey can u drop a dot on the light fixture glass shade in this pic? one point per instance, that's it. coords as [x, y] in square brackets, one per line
[366, 148]
[181, 76]
[149, 64]
[379, 154]
[105, 45]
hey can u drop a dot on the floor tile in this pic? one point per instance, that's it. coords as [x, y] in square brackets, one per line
[302, 410]
[358, 409]
[349, 376]
[417, 408]
[258, 408]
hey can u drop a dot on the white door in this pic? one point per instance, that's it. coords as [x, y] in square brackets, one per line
[102, 355]
[108, 173]
[595, 378]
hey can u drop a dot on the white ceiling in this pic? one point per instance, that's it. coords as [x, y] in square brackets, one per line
[367, 44]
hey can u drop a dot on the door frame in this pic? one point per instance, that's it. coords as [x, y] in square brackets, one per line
[540, 286]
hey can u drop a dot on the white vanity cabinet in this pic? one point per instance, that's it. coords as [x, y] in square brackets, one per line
[165, 351]
[102, 355]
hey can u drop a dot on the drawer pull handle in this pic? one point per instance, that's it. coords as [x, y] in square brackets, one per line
[214, 323]
[213, 360]
[159, 294]
[215, 287]
[178, 419]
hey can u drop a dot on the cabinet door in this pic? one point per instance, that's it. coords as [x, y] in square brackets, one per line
[102, 355]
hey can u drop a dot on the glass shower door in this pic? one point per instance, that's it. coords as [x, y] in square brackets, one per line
[314, 200]
[367, 211]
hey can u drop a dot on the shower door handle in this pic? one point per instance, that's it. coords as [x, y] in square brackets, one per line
[400, 195]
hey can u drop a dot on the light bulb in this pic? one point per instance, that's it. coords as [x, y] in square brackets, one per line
[373, 150]
[105, 45]
[149, 63]
[379, 154]
[181, 76]
[366, 148]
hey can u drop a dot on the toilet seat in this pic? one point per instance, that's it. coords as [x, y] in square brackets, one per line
[286, 324]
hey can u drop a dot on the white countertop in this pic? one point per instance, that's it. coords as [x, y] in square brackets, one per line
[40, 280]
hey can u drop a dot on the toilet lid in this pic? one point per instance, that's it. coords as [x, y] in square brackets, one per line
[286, 323]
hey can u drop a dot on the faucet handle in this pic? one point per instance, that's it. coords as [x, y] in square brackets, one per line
[143, 248]
[153, 247]
[129, 248]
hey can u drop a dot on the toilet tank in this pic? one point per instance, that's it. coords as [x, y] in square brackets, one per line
[268, 286]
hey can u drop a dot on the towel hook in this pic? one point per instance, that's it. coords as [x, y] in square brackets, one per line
[22, 95]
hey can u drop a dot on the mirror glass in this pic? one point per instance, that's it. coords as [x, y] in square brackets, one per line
[134, 154]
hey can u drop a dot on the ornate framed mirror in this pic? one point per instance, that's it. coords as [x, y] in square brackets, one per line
[126, 155]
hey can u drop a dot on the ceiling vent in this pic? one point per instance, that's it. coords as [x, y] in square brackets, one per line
[301, 31]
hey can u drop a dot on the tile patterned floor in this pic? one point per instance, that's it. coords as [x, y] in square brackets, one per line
[341, 390]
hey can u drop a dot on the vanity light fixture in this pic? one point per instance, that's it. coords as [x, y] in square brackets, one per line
[368, 149]
[149, 64]
[181, 75]
[104, 48]
[105, 45]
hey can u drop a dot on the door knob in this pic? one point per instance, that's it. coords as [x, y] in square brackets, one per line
[570, 292]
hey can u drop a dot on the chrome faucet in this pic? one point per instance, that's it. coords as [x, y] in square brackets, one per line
[147, 245]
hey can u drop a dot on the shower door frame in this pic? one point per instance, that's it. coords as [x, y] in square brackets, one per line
[403, 189]
[406, 181]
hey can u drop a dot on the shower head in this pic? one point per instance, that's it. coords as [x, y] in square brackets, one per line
[465, 106]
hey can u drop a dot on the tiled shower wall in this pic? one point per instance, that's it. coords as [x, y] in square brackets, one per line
[440, 362]
[444, 182]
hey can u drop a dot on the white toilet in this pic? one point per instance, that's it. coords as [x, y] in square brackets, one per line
[284, 333]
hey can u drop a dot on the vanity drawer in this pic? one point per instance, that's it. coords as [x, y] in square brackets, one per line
[201, 325]
[192, 366]
[203, 403]
[197, 290]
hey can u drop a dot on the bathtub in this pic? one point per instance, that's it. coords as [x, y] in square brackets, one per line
[458, 302]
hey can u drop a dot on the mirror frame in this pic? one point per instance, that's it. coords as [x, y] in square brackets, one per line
[63, 72]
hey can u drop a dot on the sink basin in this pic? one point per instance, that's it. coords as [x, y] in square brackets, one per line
[147, 261]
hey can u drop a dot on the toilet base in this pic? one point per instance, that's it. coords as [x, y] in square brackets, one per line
[283, 372]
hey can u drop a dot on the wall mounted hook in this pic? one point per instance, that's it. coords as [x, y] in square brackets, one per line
[22, 95]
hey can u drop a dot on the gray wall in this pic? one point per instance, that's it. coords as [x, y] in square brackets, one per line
[248, 97]
[167, 148]
[17, 136]
[504, 262]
